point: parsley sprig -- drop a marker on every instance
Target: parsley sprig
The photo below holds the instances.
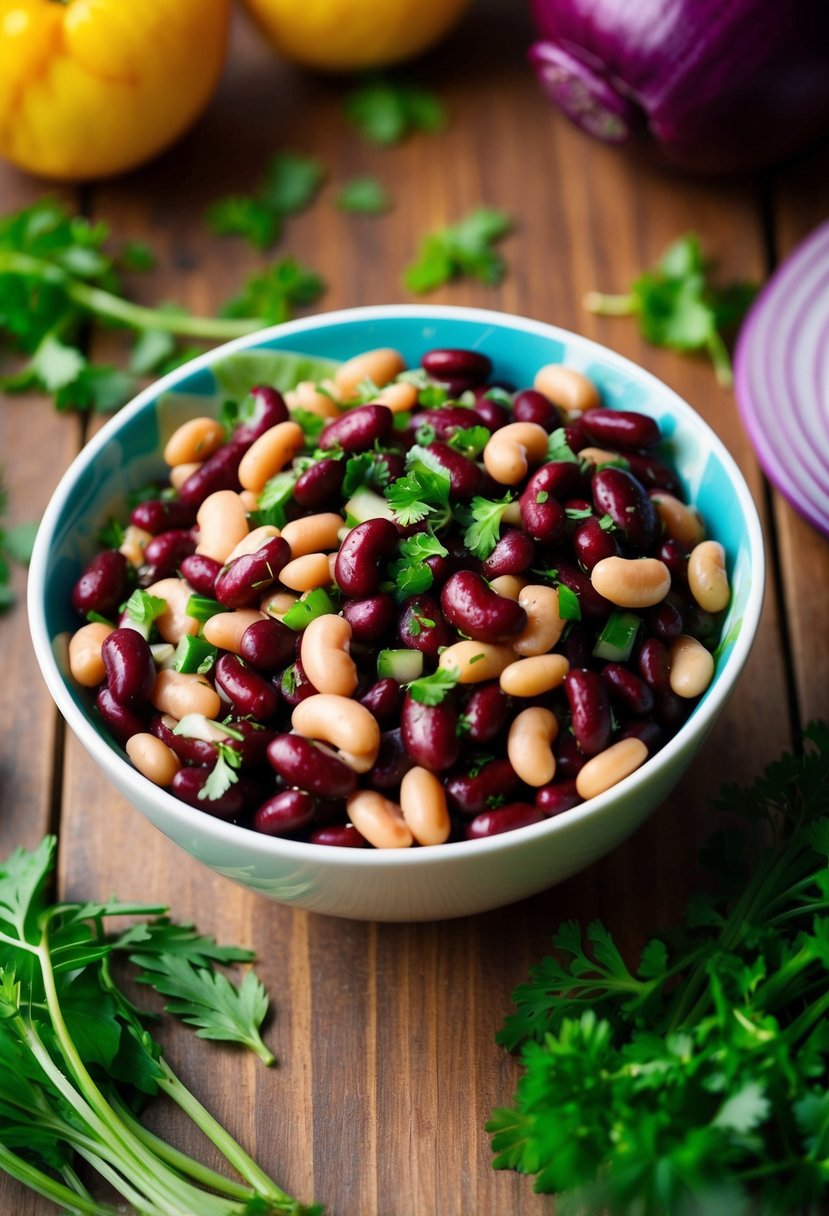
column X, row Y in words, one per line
column 464, row 248
column 483, row 523
column 433, row 689
column 385, row 110
column 678, row 307
column 78, row 1056
column 695, row 1081
column 410, row 573
column 291, row 184
column 422, row 492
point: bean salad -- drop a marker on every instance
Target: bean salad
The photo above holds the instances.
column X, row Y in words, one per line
column 402, row 607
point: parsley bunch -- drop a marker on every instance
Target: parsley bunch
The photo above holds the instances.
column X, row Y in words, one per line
column 678, row 307
column 696, row 1082
column 78, row 1059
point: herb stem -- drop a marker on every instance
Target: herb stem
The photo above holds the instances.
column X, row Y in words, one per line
column 118, row 1182
column 110, row 307
column 48, row 1187
column 608, row 305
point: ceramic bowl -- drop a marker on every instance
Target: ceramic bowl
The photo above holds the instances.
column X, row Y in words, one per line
column 422, row 883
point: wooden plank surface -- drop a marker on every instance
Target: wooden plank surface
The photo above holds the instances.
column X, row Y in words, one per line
column 388, row 1067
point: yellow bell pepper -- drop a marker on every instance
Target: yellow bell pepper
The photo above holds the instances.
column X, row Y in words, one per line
column 89, row 88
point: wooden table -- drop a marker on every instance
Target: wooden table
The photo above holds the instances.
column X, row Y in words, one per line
column 388, row 1068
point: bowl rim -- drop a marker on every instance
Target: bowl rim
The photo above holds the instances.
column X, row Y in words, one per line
column 220, row 832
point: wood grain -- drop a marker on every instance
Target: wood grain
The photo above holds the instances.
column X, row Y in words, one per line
column 385, row 1033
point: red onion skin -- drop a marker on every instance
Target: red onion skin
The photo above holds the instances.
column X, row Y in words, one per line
column 720, row 85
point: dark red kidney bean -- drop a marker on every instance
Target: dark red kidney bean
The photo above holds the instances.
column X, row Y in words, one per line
column 622, row 429
column 395, row 464
column 502, row 819
column 469, row 795
column 320, row 484
column 201, row 573
column 421, row 626
column 672, row 711
column 293, row 685
column 242, row 582
column 372, row 618
column 558, row 478
column 219, row 472
column 544, row 520
column 358, row 569
column 384, row 700
column 650, row 732
column 654, row 665
column 675, row 556
column 513, row 554
column 393, row 762
column 103, row 584
column 189, row 751
column 554, row 799
column 576, row 437
column 492, row 414
column 472, row 607
column 247, row 691
column 589, row 709
column 620, row 495
column 485, row 713
column 457, row 365
column 157, row 515
column 628, row 689
column 253, row 745
column 531, row 406
column 664, row 621
column 165, row 552
column 592, row 543
column 593, row 606
column 188, row 784
column 358, row 429
column 129, row 665
column 653, row 474
column 577, row 644
column 445, row 420
column 578, row 504
column 268, row 645
column 465, row 478
column 122, row 721
column 286, row 812
column 268, row 408
column 569, row 759
column 340, row 836
column 702, row 625
column 430, row 733
column 328, row 811
column 300, row 762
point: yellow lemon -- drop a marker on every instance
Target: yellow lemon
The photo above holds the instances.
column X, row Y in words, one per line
column 349, row 35
column 89, row 88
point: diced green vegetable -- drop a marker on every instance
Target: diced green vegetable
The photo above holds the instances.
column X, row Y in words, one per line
column 201, row 607
column 317, row 603
column 615, row 642
column 364, row 504
column 404, row 666
column 194, row 655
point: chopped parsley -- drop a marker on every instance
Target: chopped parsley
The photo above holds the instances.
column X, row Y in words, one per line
column 410, row 573
column 365, row 195
column 423, row 491
column 470, row 441
column 483, row 519
column 464, row 248
column 291, row 184
column 386, row 110
column 433, row 689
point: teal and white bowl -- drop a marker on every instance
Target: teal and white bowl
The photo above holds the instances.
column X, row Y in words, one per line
column 411, row 884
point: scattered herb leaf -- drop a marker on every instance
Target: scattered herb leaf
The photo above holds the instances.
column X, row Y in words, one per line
column 465, row 248
column 410, row 573
column 366, row 195
column 386, row 110
column 483, row 524
column 291, row 184
column 276, row 292
column 433, row 689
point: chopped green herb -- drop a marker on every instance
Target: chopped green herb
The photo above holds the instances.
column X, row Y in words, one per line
column 606, row 523
column 433, row 689
column 386, row 110
column 465, row 248
column 277, row 493
column 695, row 1081
column 111, row 535
column 425, row 434
column 312, row 424
column 223, row 774
column 273, row 295
column 559, row 449
column 470, row 441
column 366, row 469
column 679, row 308
column 143, row 609
column 432, row 396
column 569, row 605
column 500, row 396
column 97, row 618
column 578, row 513
column 541, row 497
column 495, row 800
column 410, row 573
column 417, row 624
column 479, row 764
column 291, row 184
column 422, row 492
column 366, row 195
column 483, row 524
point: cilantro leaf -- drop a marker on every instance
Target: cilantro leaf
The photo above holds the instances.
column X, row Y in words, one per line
column 433, row 689
column 678, row 307
column 367, row 195
column 366, row 469
column 483, row 524
column 277, row 493
column 223, row 774
column 276, row 292
column 143, row 609
column 291, row 184
column 387, row 110
column 410, row 573
column 559, row 449
column 421, row 492
column 470, row 441
column 464, row 248
column 165, row 936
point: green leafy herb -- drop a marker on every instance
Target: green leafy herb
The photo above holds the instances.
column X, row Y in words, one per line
column 277, row 493
column 479, row 764
column 56, row 277
column 541, row 497
column 223, row 774
column 143, row 609
column 78, row 1057
column 470, row 441
column 276, row 292
column 364, row 194
column 366, row 469
column 695, row 1081
column 483, row 524
column 136, row 255
column 465, row 248
column 417, row 623
column 431, row 690
column 410, row 573
column 422, row 492
column 291, row 184
column 385, row 111
column 559, row 449
column 678, row 307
